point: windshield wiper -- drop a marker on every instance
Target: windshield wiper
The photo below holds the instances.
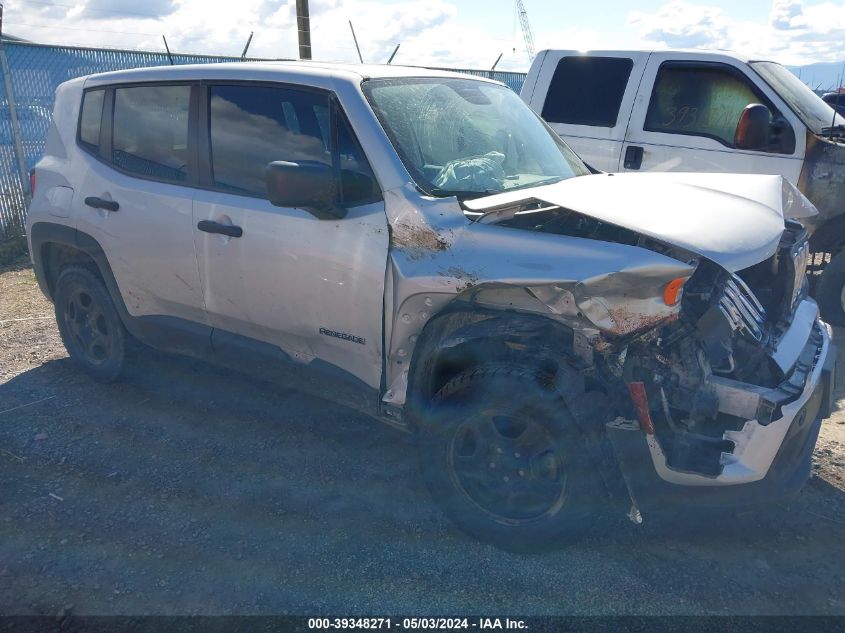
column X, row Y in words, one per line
column 837, row 130
column 461, row 194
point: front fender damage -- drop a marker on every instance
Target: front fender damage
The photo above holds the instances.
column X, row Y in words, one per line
column 601, row 291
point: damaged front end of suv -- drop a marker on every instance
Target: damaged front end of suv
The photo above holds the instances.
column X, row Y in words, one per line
column 682, row 338
column 544, row 322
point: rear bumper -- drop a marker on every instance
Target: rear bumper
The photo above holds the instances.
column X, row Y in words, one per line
column 652, row 485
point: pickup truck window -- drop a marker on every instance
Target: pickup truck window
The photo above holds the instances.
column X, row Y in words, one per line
column 587, row 90
column 807, row 105
column 89, row 119
column 150, row 134
column 465, row 137
column 701, row 100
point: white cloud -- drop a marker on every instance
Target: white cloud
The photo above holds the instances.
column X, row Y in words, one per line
column 786, row 14
column 796, row 33
column 680, row 24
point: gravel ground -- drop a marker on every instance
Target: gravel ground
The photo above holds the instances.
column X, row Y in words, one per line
column 186, row 489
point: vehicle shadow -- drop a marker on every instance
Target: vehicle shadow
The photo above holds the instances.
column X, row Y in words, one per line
column 187, row 488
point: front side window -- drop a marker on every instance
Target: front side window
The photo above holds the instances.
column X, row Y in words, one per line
column 251, row 126
column 587, row 90
column 89, row 119
column 704, row 100
column 468, row 137
column 150, row 133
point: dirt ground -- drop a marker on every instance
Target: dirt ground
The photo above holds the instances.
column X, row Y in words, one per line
column 186, row 489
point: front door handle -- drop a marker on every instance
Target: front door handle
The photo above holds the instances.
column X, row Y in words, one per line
column 210, row 226
column 633, row 157
column 99, row 203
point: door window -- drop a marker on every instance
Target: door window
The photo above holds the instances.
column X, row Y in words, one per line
column 251, row 126
column 587, row 90
column 703, row 100
column 150, row 133
column 89, row 120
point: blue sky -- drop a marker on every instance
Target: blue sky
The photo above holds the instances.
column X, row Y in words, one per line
column 453, row 33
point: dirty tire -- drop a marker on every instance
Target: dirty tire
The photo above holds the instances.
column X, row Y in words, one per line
column 830, row 292
column 498, row 421
column 89, row 325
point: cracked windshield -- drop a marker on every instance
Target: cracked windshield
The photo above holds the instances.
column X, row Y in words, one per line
column 467, row 137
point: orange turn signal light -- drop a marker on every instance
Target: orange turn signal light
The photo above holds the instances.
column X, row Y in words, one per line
column 672, row 292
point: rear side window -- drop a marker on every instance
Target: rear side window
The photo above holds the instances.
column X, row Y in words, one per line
column 150, row 131
column 251, row 126
column 89, row 119
column 587, row 90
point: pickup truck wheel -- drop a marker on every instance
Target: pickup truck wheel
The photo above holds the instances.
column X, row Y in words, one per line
column 502, row 456
column 89, row 325
column 831, row 293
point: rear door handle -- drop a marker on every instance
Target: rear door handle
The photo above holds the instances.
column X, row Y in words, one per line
column 633, row 157
column 210, row 226
column 99, row 203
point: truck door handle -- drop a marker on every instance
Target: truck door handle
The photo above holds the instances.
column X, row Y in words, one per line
column 210, row 226
column 633, row 157
column 99, row 203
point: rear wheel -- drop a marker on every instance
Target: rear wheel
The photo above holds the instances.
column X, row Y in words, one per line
column 503, row 458
column 89, row 325
column 831, row 293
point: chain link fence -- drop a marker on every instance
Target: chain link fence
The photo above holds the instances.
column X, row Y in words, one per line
column 31, row 73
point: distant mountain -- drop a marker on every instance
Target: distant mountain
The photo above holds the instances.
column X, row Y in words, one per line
column 822, row 76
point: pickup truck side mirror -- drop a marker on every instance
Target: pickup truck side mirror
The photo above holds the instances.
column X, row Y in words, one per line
column 752, row 131
column 308, row 185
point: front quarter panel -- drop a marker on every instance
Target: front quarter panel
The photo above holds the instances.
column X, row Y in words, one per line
column 579, row 282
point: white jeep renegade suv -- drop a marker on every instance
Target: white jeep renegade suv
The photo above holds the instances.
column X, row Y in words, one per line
column 558, row 340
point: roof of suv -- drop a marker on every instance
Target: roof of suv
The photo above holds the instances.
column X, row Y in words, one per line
column 259, row 70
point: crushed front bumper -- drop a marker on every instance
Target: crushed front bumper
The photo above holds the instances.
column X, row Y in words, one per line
column 770, row 461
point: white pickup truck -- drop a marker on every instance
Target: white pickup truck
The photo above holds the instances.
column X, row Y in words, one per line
column 700, row 111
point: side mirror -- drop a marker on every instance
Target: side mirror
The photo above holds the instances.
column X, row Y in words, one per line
column 308, row 185
column 752, row 131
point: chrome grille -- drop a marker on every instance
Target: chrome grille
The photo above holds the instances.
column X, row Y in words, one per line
column 742, row 309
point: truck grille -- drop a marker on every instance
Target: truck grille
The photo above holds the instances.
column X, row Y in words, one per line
column 742, row 309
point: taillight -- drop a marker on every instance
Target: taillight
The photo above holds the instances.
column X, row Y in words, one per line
column 32, row 182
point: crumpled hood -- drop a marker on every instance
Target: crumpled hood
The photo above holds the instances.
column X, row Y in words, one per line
column 736, row 220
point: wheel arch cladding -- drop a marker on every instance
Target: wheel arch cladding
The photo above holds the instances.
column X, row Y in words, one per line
column 55, row 246
column 463, row 337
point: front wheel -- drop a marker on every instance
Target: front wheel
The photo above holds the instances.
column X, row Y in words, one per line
column 89, row 325
column 503, row 458
column 831, row 293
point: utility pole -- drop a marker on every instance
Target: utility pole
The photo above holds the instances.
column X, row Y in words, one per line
column 303, row 29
